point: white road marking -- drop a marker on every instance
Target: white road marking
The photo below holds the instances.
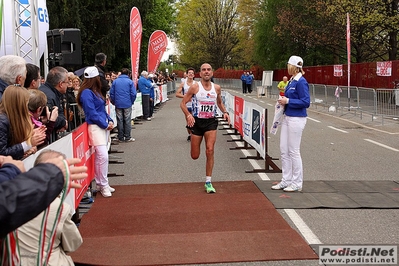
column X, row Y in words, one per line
column 337, row 129
column 314, row 120
column 307, row 233
column 381, row 145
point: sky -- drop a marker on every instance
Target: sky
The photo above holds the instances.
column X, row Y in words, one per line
column 170, row 49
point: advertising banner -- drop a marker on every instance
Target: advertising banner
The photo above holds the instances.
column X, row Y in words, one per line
column 7, row 34
column 156, row 48
column 384, row 69
column 338, row 72
column 82, row 150
column 238, row 114
column 136, row 30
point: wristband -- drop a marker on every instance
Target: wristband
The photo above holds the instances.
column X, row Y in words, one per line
column 226, row 113
column 189, row 115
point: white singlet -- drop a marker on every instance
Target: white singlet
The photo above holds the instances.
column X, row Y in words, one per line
column 204, row 102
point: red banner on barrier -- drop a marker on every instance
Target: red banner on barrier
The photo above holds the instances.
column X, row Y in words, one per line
column 156, row 48
column 82, row 150
column 136, row 30
column 238, row 113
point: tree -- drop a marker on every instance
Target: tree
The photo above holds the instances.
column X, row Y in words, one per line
column 207, row 32
column 104, row 26
column 316, row 30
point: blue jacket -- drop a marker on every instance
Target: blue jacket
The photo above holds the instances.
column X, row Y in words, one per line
column 243, row 77
column 144, row 86
column 94, row 108
column 297, row 91
column 123, row 92
column 248, row 79
column 27, row 194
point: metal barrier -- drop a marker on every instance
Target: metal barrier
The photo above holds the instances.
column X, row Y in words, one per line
column 375, row 103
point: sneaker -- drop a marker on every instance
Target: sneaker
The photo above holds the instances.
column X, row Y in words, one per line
column 279, row 186
column 292, row 188
column 105, row 192
column 111, row 189
column 189, row 138
column 148, row 119
column 209, row 188
column 130, row 140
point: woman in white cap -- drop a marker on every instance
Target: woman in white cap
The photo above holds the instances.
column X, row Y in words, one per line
column 296, row 100
column 99, row 123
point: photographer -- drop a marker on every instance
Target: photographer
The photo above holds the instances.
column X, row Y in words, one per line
column 55, row 89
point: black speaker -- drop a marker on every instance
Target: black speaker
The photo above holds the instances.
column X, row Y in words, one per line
column 64, row 47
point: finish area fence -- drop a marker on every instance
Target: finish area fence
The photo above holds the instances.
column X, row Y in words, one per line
column 367, row 103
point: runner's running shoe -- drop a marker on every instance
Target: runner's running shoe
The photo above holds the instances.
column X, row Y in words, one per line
column 209, row 188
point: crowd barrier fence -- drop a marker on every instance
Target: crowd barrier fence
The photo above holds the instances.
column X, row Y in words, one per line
column 366, row 103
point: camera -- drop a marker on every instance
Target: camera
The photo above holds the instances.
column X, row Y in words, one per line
column 44, row 112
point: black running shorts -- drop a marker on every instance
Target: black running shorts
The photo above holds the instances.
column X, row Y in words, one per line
column 203, row 125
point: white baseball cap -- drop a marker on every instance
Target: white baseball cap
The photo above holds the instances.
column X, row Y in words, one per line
column 296, row 61
column 91, row 72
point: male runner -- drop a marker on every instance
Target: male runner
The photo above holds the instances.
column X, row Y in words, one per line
column 202, row 122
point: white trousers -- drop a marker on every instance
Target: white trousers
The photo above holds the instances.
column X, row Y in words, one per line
column 101, row 165
column 290, row 143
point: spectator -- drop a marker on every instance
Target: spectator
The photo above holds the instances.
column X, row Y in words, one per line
column 248, row 81
column 145, row 87
column 114, row 76
column 100, row 62
column 78, row 111
column 76, row 81
column 55, row 88
column 152, row 94
column 183, row 79
column 281, row 85
column 12, row 71
column 108, row 78
column 243, row 82
column 25, row 194
column 18, row 139
column 40, row 113
column 67, row 236
column 100, row 123
column 123, row 94
column 32, row 80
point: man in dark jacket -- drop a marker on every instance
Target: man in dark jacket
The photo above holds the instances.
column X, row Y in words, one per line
column 123, row 94
column 55, row 88
column 100, row 61
column 23, row 195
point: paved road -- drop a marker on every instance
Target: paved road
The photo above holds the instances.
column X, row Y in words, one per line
column 333, row 148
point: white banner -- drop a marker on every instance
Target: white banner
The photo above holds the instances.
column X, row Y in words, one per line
column 8, row 35
column 384, row 69
column 338, row 72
